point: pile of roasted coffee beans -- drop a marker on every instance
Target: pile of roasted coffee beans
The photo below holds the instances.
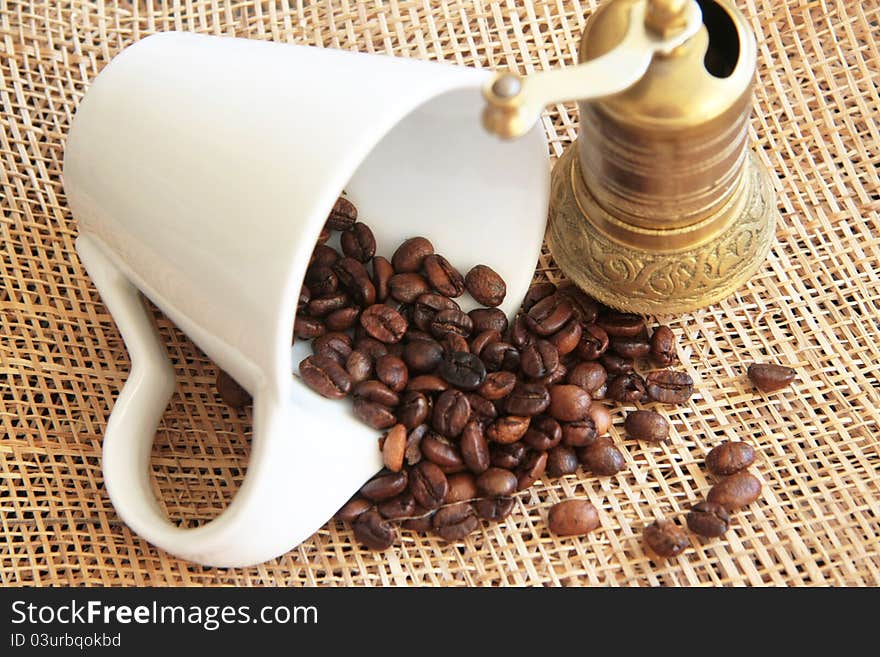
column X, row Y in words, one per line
column 474, row 409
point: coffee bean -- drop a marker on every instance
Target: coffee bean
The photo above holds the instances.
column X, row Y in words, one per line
column 474, row 448
column 428, row 484
column 442, row 452
column 585, row 307
column 528, row 399
column 539, row 359
column 373, row 414
column 569, row 403
column 735, row 491
column 636, row 347
column 615, row 364
column 383, row 323
column 382, row 273
column 481, row 409
column 508, row 456
column 665, row 539
column 729, row 457
column 580, row 433
column 663, row 351
column 556, row 376
column 601, row 417
column 768, row 377
column 568, row 337
column 321, row 280
column 413, row 409
column 407, row 287
column 485, row 286
column 494, row 508
column 603, row 458
column 549, row 315
column 343, row 215
column 336, row 345
column 572, row 518
column 353, row 509
column 647, row 426
column 497, row 385
column 402, row 506
column 359, row 366
column 669, row 386
column 373, row 531
column 488, row 319
column 376, row 392
column 462, row 488
column 483, row 339
column 451, row 321
column 306, row 328
column 392, row 371
column 497, row 482
column 325, row 376
column 626, row 388
column 621, row 324
column 442, row 276
column 358, row 242
column 708, row 519
column 427, row 306
column 507, row 429
column 354, row 279
column 536, row 293
column 370, row 346
column 544, row 433
column 462, row 370
column 453, row 523
column 324, row 256
column 342, row 319
column 561, row 460
column 594, row 342
column 520, row 336
column 451, row 412
column 409, row 256
column 452, row 342
column 427, row 383
column 323, row 306
column 499, row 356
column 385, row 486
column 305, row 295
column 232, row 394
column 394, row 448
column 531, row 470
column 414, row 444
column 422, row 523
column 422, row 356
column 600, row 392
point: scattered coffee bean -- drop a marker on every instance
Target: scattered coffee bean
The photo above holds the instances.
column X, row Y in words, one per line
column 569, row 403
column 383, row 323
column 497, row 385
column 343, row 215
column 647, row 426
column 594, row 342
column 413, row 409
column 443, row 452
column 462, row 488
column 384, row 486
column 539, row 359
column 325, row 376
column 669, row 386
column 632, row 348
column 544, row 433
column 488, row 319
column 708, row 519
column 589, row 375
column 568, row 337
column 373, row 414
column 616, row 364
column 536, row 293
column 501, row 356
column 497, row 482
column 663, row 347
column 561, row 460
column 507, row 455
column 528, row 399
column 453, row 523
column 549, row 315
column 353, row 509
column 531, row 470
column 392, row 371
column 407, row 287
column 494, row 508
column 601, row 417
column 626, row 388
column 621, row 324
column 602, row 457
column 411, row 254
column 358, row 242
column 428, row 484
column 394, row 448
column 451, row 413
column 572, row 518
column 508, row 429
column 737, row 490
column 665, row 539
column 729, row 457
column 376, row 391
column 372, row 530
column 382, row 273
column 485, row 286
column 582, row 433
column 453, row 321
column 402, row 506
column 442, row 276
column 474, row 447
column 463, row 370
column 768, row 377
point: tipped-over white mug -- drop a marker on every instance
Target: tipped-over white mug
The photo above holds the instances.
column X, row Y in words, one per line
column 201, row 170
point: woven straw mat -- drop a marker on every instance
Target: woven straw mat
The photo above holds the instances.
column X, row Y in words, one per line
column 813, row 305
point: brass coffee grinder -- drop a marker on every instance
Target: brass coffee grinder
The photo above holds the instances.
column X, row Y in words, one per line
column 659, row 206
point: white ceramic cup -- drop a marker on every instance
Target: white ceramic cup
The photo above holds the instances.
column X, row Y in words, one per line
column 201, row 170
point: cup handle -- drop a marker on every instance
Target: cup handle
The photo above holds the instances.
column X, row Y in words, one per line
column 262, row 521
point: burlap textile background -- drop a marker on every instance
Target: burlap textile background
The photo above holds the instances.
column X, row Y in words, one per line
column 815, row 305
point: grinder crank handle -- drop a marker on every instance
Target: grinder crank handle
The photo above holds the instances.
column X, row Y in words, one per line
column 514, row 103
